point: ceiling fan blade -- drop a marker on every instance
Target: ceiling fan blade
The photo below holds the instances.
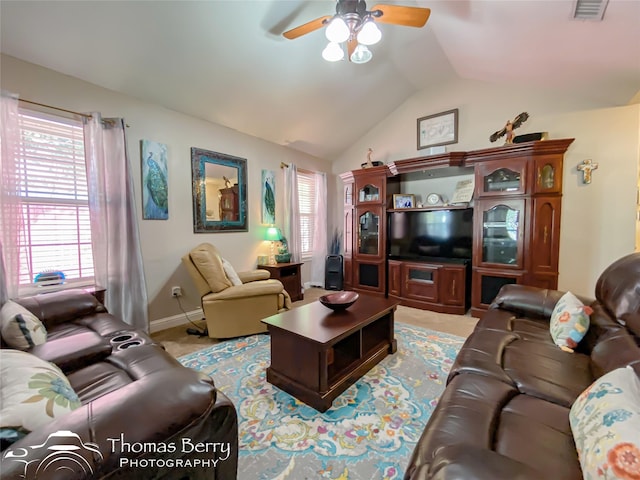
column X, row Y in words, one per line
column 400, row 15
column 306, row 28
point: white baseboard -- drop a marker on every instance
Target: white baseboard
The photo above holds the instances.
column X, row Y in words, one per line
column 175, row 320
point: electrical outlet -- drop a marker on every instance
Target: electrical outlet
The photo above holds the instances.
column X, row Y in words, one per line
column 176, row 291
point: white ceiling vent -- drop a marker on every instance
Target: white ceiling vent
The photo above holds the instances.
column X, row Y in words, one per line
column 589, row 9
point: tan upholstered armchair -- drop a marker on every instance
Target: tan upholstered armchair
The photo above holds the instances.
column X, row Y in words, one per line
column 233, row 310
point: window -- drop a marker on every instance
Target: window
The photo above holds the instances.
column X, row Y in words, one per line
column 54, row 204
column 307, row 205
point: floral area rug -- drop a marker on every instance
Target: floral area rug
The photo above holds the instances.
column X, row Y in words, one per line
column 368, row 433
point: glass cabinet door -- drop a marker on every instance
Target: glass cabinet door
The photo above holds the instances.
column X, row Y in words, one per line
column 501, row 235
column 348, row 194
column 369, row 193
column 548, row 178
column 501, row 178
column 369, row 233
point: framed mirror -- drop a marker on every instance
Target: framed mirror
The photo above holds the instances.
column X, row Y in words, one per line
column 219, row 186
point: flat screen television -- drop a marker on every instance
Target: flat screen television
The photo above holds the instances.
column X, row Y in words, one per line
column 431, row 235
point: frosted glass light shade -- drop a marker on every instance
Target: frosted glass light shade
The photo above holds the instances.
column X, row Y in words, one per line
column 333, row 52
column 369, row 34
column 337, row 31
column 361, row 54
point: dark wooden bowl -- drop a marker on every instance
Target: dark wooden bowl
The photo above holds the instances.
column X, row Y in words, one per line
column 339, row 300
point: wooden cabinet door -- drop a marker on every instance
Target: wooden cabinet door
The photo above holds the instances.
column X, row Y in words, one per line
column 394, row 277
column 499, row 227
column 348, row 273
column 369, row 233
column 451, row 281
column 499, row 178
column 545, row 235
column 547, row 174
column 487, row 283
column 348, row 246
column 420, row 281
column 369, row 277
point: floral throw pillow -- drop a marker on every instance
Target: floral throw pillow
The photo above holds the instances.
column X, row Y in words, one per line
column 569, row 322
column 605, row 421
column 34, row 392
column 20, row 328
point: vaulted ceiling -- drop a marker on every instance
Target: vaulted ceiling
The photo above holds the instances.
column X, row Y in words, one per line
column 227, row 62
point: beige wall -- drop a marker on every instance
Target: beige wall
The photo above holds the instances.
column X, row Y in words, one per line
column 597, row 219
column 165, row 241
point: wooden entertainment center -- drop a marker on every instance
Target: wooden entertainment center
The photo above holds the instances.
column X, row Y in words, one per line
column 516, row 228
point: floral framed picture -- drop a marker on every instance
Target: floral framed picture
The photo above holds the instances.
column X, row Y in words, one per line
column 404, row 200
column 438, row 129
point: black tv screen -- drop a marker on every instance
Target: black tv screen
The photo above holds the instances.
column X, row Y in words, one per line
column 434, row 234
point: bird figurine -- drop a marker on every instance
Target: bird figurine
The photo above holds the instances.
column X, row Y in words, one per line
column 369, row 162
column 227, row 182
column 509, row 128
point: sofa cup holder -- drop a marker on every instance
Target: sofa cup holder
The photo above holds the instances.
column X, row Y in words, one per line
column 125, row 337
column 125, row 345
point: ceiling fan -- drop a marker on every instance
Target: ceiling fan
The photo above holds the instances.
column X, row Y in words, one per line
column 356, row 25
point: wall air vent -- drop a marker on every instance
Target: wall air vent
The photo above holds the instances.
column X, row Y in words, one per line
column 589, row 9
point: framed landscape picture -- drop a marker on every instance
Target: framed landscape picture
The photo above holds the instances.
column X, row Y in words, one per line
column 438, row 129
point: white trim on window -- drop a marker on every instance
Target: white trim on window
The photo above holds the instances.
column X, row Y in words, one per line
column 306, row 203
column 53, row 191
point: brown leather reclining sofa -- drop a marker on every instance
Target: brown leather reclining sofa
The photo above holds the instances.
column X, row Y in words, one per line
column 132, row 391
column 505, row 411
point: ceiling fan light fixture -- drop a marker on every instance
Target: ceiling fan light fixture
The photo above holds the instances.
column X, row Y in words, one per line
column 337, row 31
column 333, row 52
column 369, row 34
column 361, row 54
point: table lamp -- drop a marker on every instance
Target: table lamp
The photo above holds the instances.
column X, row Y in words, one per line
column 273, row 235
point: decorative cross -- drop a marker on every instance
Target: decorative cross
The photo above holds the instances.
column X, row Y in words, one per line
column 586, row 167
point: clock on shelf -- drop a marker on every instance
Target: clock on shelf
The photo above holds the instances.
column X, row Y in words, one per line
column 434, row 199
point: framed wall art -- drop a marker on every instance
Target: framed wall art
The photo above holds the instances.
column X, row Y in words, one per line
column 438, row 129
column 155, row 186
column 219, row 187
column 268, row 197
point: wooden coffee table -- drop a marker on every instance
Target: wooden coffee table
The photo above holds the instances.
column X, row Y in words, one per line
column 316, row 353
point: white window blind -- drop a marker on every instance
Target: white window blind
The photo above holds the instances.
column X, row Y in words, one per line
column 306, row 202
column 52, row 185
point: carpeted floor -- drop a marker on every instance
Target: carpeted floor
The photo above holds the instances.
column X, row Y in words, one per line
column 178, row 342
column 371, row 429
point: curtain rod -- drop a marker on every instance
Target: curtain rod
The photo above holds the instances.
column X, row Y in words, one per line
column 86, row 115
column 284, row 165
column 55, row 108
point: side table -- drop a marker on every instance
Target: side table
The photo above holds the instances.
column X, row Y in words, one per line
column 289, row 275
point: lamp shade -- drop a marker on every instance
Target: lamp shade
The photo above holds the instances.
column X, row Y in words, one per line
column 273, row 234
column 369, row 34
column 361, row 54
column 337, row 31
column 333, row 52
